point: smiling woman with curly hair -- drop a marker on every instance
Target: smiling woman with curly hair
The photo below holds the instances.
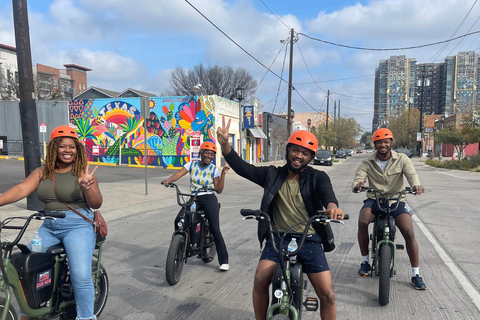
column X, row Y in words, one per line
column 66, row 179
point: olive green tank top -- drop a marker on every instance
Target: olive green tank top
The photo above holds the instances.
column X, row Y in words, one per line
column 68, row 190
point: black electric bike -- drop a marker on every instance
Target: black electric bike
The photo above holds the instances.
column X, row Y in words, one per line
column 40, row 281
column 287, row 281
column 384, row 257
column 192, row 238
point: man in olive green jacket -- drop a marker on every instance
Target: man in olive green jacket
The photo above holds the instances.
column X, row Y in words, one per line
column 385, row 170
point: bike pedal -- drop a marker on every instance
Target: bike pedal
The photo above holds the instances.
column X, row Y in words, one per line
column 400, row 246
column 311, row 304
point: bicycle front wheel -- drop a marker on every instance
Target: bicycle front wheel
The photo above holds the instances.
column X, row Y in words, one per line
column 12, row 313
column 384, row 262
column 175, row 259
column 280, row 317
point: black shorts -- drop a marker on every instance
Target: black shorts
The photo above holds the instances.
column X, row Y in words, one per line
column 311, row 256
column 370, row 203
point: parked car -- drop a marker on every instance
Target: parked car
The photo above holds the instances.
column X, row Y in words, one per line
column 404, row 150
column 323, row 157
column 359, row 151
column 349, row 152
column 341, row 154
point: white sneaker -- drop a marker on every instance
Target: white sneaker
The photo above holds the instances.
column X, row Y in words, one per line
column 224, row 267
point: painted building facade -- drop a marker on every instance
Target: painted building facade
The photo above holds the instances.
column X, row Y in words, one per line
column 167, row 132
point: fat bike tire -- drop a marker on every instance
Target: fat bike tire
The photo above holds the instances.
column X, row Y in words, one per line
column 12, row 313
column 101, row 292
column 101, row 295
column 385, row 259
column 209, row 250
column 280, row 317
column 175, row 259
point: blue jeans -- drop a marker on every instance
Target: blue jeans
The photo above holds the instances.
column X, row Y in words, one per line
column 78, row 238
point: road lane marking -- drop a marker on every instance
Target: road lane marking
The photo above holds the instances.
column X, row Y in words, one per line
column 457, row 273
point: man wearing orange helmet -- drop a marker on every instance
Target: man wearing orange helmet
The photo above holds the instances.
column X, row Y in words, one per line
column 292, row 193
column 384, row 170
column 205, row 173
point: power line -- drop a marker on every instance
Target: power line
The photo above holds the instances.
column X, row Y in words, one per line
column 266, row 72
column 387, row 49
column 280, row 82
column 241, row 48
column 306, row 66
column 334, row 80
column 275, row 15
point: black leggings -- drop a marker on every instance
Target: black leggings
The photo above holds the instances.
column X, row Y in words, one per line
column 209, row 204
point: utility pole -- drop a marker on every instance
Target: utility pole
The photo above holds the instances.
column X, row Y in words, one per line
column 334, row 111
column 328, row 100
column 28, row 110
column 339, row 109
column 289, row 128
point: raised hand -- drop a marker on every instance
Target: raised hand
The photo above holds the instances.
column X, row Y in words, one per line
column 222, row 136
column 88, row 178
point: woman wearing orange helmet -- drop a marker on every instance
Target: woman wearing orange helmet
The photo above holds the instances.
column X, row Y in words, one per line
column 292, row 193
column 205, row 173
column 75, row 184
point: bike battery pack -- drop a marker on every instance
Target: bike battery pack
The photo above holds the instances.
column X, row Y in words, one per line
column 35, row 270
column 194, row 220
column 381, row 226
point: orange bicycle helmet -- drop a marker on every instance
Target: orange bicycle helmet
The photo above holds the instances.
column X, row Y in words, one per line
column 207, row 145
column 63, row 131
column 304, row 138
column 382, row 133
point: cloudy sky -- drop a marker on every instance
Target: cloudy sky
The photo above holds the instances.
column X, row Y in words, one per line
column 136, row 44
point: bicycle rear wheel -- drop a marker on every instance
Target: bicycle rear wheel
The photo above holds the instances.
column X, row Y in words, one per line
column 175, row 259
column 209, row 250
column 384, row 262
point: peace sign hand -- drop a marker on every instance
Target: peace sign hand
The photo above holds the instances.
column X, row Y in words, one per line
column 88, row 178
column 222, row 136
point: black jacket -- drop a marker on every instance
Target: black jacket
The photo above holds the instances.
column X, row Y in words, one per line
column 315, row 187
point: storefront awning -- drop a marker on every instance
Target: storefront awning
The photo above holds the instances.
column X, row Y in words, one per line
column 257, row 133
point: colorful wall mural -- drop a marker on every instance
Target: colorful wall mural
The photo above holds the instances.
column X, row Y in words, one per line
column 112, row 130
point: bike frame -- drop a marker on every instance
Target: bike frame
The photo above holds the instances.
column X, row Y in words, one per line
column 185, row 200
column 384, row 241
column 9, row 278
column 285, row 293
column 385, row 210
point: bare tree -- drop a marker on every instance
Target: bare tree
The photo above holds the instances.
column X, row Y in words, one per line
column 221, row 81
column 9, row 90
column 280, row 138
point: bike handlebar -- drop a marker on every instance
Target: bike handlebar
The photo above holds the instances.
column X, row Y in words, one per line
column 382, row 199
column 259, row 215
column 40, row 215
column 186, row 199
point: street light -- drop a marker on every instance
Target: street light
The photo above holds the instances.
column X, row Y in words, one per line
column 239, row 96
column 197, row 88
column 424, row 82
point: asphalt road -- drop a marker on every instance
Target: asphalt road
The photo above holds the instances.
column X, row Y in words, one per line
column 446, row 225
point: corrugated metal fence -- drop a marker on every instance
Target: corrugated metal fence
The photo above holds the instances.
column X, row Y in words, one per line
column 52, row 113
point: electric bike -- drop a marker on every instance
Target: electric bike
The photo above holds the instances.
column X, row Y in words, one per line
column 192, row 238
column 287, row 281
column 40, row 281
column 384, row 249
